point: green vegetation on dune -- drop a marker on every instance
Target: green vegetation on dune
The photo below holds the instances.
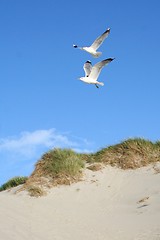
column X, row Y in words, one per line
column 130, row 154
column 64, row 166
column 13, row 182
column 58, row 166
column 62, row 162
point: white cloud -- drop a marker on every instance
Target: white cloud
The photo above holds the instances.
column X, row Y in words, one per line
column 29, row 143
column 18, row 154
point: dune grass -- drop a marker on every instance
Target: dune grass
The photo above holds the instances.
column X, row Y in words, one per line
column 58, row 166
column 62, row 162
column 36, row 191
column 65, row 166
column 13, row 182
column 129, row 154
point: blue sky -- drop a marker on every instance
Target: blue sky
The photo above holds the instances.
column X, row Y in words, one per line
column 42, row 103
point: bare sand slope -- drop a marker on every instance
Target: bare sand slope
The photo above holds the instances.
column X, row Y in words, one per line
column 110, row 204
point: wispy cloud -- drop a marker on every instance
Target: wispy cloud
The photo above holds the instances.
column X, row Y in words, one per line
column 19, row 153
column 28, row 143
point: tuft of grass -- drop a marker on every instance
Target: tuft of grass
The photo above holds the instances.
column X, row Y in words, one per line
column 58, row 166
column 13, row 182
column 132, row 153
column 62, row 162
column 36, row 191
column 95, row 167
column 157, row 143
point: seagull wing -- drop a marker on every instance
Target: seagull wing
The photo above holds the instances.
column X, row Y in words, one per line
column 96, row 69
column 87, row 68
column 96, row 44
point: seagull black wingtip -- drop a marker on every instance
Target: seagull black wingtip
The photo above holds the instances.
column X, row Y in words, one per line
column 108, row 30
column 111, row 59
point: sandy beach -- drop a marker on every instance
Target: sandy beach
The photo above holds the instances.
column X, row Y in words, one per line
column 109, row 204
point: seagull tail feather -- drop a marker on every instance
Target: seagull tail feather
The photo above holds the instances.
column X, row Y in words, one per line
column 98, row 54
column 101, row 83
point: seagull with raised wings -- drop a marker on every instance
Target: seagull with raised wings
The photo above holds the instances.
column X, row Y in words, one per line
column 95, row 45
column 92, row 73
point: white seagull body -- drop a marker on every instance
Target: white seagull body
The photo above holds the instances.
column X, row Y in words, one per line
column 95, row 45
column 92, row 73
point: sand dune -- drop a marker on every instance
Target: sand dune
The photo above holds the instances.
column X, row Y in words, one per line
column 110, row 204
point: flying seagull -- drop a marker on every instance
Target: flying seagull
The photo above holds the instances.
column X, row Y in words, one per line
column 92, row 73
column 95, row 45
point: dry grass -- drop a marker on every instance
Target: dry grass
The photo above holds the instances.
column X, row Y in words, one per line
column 95, row 167
column 156, row 169
column 143, row 200
column 35, row 191
column 130, row 154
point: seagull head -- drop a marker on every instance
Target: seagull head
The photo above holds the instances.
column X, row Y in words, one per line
column 75, row 46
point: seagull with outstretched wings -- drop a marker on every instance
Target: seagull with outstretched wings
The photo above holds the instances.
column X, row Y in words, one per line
column 95, row 45
column 92, row 73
